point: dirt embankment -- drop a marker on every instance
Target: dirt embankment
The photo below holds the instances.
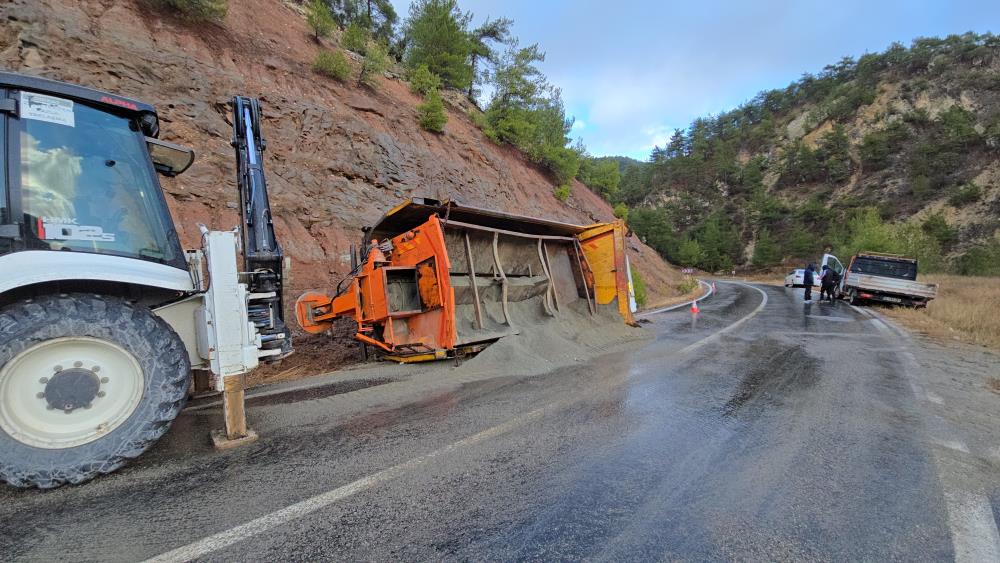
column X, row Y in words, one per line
column 338, row 155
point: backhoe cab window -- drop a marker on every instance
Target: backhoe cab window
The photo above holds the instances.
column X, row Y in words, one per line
column 86, row 184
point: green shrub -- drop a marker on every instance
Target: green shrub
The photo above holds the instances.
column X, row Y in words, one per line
column 687, row 286
column 333, row 64
column 431, row 114
column 935, row 160
column 938, row 228
column 639, row 287
column 355, row 38
column 917, row 117
column 965, row 195
column 375, row 63
column 621, row 211
column 562, row 192
column 563, row 162
column 959, row 126
column 980, row 260
column 878, row 146
column 922, row 187
column 198, row 9
column 422, row 80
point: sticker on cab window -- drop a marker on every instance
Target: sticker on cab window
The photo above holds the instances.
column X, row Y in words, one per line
column 47, row 108
column 65, row 228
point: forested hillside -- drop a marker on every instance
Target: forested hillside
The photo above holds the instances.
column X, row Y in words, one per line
column 895, row 151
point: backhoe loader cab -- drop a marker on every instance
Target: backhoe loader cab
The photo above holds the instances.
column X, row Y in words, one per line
column 103, row 316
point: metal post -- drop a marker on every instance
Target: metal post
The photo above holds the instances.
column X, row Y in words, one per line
column 234, row 411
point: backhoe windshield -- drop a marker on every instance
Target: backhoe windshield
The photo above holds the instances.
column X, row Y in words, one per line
column 87, row 185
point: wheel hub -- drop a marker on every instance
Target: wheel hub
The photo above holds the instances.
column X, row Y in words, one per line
column 73, row 388
column 68, row 391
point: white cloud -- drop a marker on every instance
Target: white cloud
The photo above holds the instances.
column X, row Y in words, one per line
column 578, row 124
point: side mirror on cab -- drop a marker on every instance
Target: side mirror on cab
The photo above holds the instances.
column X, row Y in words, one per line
column 169, row 159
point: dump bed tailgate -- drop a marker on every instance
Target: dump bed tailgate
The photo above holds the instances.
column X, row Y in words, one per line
column 889, row 285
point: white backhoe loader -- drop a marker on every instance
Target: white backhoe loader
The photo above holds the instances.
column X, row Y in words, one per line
column 103, row 317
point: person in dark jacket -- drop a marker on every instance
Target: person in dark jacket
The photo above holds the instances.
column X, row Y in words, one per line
column 808, row 278
column 828, row 280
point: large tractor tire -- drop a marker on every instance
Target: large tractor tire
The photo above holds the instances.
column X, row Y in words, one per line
column 87, row 382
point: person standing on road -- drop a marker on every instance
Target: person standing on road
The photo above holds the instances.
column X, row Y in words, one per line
column 807, row 280
column 828, row 284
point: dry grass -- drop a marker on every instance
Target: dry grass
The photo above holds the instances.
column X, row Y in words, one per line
column 966, row 309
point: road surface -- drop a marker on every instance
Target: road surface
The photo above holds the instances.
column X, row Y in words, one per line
column 761, row 429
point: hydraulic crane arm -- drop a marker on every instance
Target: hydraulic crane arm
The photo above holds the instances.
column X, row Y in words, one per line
column 262, row 255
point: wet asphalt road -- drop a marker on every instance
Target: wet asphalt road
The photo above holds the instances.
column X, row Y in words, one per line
column 793, row 436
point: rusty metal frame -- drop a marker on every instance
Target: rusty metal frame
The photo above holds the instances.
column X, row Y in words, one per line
column 503, row 277
column 547, row 302
column 580, row 259
column 509, row 233
column 548, row 266
column 472, row 280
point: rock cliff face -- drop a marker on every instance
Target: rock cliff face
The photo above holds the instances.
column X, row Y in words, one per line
column 338, row 156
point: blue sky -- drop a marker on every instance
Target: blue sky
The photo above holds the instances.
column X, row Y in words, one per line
column 632, row 71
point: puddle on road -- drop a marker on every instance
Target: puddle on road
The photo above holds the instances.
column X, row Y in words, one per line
column 780, row 371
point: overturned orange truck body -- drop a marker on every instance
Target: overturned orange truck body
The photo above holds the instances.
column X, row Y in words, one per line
column 436, row 279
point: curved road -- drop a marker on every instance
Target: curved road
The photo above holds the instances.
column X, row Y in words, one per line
column 761, row 429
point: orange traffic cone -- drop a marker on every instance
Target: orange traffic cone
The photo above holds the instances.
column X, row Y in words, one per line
column 694, row 307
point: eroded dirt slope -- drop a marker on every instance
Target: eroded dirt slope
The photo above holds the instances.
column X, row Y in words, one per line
column 338, row 155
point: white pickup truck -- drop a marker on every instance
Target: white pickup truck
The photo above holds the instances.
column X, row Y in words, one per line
column 887, row 278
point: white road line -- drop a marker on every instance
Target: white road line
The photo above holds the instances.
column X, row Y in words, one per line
column 285, row 515
column 708, row 293
column 956, row 445
column 732, row 327
column 934, row 398
column 973, row 528
column 974, row 533
column 834, row 319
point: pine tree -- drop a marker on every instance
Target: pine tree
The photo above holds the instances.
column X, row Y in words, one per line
column 431, row 114
column 319, row 18
column 690, row 253
column 375, row 63
column 380, row 19
column 496, row 31
column 438, row 37
column 765, row 252
column 355, row 38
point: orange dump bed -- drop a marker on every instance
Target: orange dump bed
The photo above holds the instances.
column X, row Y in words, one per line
column 437, row 279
